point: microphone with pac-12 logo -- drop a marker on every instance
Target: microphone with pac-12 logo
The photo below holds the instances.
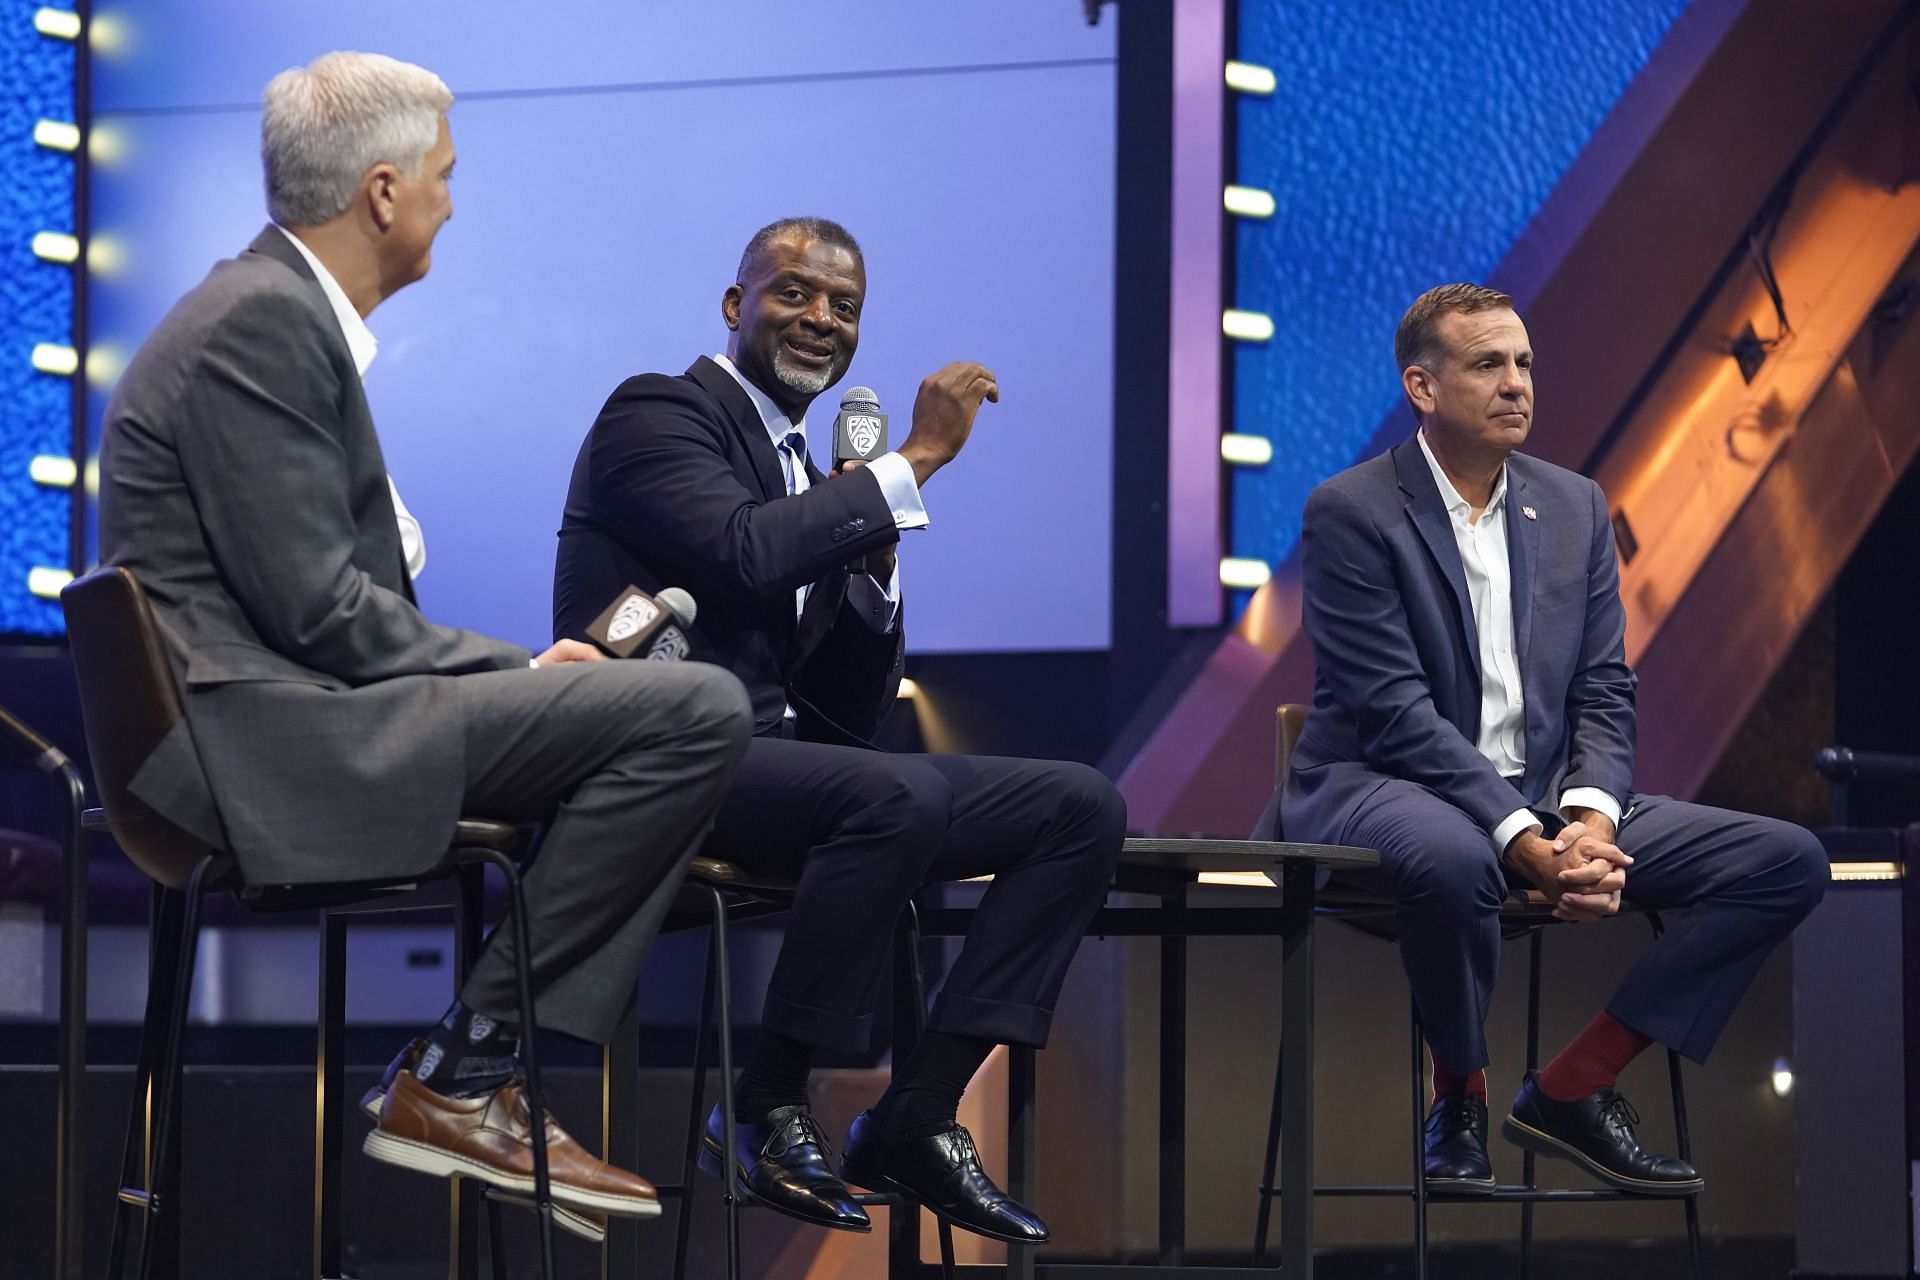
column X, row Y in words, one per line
column 860, row 432
column 636, row 621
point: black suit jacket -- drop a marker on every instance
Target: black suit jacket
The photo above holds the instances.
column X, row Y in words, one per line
column 677, row 484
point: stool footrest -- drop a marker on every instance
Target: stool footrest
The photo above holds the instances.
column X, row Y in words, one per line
column 1516, row 1193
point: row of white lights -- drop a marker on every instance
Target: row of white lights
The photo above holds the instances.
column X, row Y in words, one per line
column 1247, row 326
column 55, row 359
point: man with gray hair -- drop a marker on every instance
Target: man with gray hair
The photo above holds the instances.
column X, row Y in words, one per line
column 333, row 733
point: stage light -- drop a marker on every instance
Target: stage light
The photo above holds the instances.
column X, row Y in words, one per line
column 1248, row 202
column 53, row 471
column 46, row 583
column 56, row 246
column 57, row 135
column 107, row 145
column 1246, row 451
column 908, row 689
column 1248, row 77
column 54, row 358
column 105, row 364
column 1866, row 871
column 104, row 254
column 58, row 23
column 1782, row 1077
column 1236, row 571
column 1248, row 326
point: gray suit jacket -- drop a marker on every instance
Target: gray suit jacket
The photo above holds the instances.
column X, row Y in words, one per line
column 1397, row 665
column 243, row 485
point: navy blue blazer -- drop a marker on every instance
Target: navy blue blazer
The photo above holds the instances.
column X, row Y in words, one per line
column 677, row 484
column 1397, row 663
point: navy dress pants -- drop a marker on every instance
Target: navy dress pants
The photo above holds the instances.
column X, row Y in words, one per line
column 1744, row 882
column 861, row 831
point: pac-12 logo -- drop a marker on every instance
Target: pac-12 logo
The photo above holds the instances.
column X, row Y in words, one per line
column 635, row 612
column 863, row 429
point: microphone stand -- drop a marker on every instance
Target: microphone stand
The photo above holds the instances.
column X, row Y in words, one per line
column 69, row 1136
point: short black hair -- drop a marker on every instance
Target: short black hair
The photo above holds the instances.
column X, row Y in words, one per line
column 825, row 230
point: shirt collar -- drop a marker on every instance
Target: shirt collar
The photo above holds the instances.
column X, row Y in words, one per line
column 777, row 424
column 361, row 343
column 1450, row 496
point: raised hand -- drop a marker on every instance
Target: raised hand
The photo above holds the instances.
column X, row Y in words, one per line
column 943, row 414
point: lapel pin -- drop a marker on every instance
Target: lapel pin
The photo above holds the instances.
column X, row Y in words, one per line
column 1529, row 513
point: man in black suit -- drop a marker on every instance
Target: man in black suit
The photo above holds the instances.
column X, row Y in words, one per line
column 332, row 732
column 703, row 481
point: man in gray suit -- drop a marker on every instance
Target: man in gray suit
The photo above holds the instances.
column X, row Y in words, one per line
column 332, row 733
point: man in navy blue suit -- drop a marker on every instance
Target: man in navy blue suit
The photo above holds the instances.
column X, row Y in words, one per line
column 1473, row 720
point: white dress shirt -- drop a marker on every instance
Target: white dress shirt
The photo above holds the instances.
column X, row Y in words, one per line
column 879, row 605
column 1482, row 544
column 364, row 346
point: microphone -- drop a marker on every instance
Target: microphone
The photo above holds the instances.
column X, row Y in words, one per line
column 636, row 621
column 860, row 431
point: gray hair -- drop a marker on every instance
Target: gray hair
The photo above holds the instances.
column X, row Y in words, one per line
column 324, row 125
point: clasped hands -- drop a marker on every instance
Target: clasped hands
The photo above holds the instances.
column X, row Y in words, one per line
column 1580, row 869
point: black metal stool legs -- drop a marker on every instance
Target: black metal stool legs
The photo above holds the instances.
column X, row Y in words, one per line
column 723, row 1018
column 1419, row 1095
column 1535, row 954
column 163, row 959
column 159, row 1202
column 683, row 1234
column 1268, row 1191
column 1682, row 1135
column 531, row 1094
column 328, row 1095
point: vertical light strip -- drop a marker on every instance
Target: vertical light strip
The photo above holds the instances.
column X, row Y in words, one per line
column 1194, row 598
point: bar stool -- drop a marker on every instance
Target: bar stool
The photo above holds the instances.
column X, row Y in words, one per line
column 1525, row 916
column 129, row 703
column 719, row 893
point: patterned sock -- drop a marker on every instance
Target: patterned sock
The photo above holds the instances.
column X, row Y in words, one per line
column 1594, row 1059
column 924, row 1098
column 775, row 1076
column 468, row 1054
column 1448, row 1083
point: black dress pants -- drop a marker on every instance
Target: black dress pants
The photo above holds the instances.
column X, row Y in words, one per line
column 862, row 830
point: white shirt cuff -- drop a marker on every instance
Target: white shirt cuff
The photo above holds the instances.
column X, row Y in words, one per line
column 901, row 491
column 878, row 606
column 1512, row 825
column 1590, row 798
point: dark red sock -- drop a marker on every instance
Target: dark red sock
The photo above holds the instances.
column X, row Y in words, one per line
column 1594, row 1059
column 1448, row 1083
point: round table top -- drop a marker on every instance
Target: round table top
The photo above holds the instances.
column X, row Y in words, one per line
column 1238, row 855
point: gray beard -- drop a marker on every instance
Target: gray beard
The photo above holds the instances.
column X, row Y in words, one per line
column 806, row 382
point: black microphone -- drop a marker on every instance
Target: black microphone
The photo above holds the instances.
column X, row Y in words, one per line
column 860, row 432
column 636, row 621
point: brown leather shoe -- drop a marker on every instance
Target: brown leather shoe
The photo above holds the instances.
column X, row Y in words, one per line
column 489, row 1138
column 585, row 1223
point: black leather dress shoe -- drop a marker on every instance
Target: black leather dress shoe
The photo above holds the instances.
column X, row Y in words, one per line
column 1596, row 1133
column 1456, row 1146
column 943, row 1173
column 785, row 1162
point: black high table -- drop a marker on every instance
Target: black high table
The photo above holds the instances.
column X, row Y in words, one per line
column 1168, row 870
